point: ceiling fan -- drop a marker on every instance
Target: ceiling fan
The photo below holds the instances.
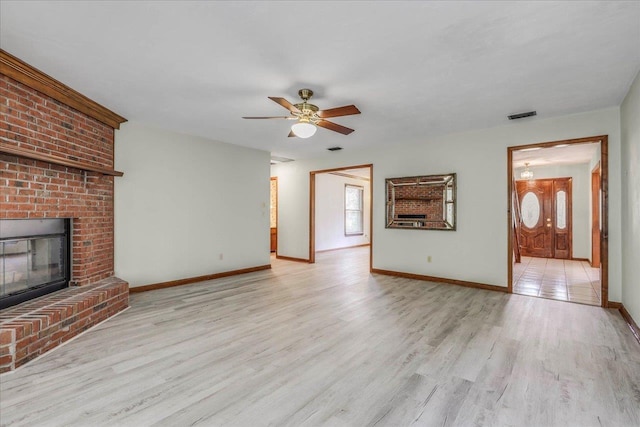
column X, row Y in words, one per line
column 309, row 116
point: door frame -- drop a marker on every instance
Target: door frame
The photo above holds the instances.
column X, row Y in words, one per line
column 312, row 209
column 604, row 208
column 273, row 178
column 595, row 213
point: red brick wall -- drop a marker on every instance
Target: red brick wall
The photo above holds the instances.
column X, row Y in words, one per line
column 33, row 189
column 420, row 200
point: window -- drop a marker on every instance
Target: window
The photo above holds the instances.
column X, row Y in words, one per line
column 353, row 224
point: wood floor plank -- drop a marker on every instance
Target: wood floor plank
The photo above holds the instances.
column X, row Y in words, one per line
column 329, row 344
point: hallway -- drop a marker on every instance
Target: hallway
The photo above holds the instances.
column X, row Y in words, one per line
column 559, row 279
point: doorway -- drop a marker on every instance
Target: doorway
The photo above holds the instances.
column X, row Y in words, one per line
column 557, row 226
column 348, row 216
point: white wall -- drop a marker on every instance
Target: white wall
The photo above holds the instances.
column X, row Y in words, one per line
column 183, row 201
column 580, row 175
column 477, row 251
column 330, row 212
column 630, row 130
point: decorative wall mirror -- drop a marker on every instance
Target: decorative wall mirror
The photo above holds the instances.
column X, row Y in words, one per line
column 422, row 202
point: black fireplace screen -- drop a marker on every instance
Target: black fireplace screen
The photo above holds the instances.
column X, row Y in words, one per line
column 34, row 258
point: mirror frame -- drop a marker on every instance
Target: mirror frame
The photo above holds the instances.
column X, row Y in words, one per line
column 421, row 222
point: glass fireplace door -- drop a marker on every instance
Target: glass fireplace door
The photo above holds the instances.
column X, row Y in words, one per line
column 32, row 265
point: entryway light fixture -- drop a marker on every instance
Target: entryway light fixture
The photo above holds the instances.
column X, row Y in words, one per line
column 526, row 173
column 304, row 128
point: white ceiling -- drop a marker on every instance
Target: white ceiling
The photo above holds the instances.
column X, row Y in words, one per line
column 559, row 155
column 414, row 69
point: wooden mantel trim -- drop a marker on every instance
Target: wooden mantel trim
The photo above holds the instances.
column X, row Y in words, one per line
column 49, row 158
column 26, row 74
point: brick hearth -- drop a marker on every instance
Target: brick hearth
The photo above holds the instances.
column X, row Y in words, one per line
column 34, row 327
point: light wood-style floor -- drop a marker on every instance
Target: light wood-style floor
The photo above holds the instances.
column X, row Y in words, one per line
column 330, row 344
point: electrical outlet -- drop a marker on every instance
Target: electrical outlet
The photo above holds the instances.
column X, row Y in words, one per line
column 221, row 256
column 429, row 258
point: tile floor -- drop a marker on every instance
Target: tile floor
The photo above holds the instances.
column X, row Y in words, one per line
column 558, row 279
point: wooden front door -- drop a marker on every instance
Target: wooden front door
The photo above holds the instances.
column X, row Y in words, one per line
column 545, row 206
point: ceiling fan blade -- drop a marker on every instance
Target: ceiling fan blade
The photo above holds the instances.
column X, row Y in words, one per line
column 292, row 135
column 334, row 127
column 275, row 117
column 347, row 110
column 286, row 104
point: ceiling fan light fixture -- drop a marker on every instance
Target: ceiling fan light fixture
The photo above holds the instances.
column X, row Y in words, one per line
column 303, row 129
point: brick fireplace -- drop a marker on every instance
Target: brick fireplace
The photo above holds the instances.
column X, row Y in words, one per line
column 56, row 161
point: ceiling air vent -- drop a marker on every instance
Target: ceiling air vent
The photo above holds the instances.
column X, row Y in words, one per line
column 334, row 148
column 522, row 115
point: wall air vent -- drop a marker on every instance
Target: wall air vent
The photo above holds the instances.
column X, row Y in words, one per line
column 334, row 148
column 522, row 115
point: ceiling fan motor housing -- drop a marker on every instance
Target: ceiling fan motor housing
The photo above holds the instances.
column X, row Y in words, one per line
column 310, row 108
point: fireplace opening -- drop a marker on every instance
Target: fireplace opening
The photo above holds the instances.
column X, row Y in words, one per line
column 34, row 258
column 410, row 220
